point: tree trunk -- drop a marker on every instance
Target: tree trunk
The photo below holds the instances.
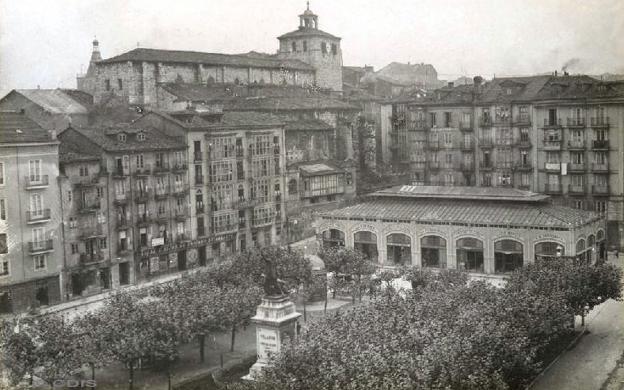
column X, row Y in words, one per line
column 305, row 314
column 30, row 379
column 92, row 371
column 233, row 338
column 583, row 319
column 131, row 376
column 202, row 343
column 168, row 379
column 325, row 308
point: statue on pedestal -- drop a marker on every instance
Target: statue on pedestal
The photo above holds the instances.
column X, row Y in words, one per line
column 272, row 285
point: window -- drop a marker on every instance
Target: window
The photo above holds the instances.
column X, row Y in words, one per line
column 3, row 243
column 600, row 206
column 69, row 195
column 334, row 49
column 4, row 267
column 36, row 205
column 141, row 136
column 74, row 249
column 72, row 223
column 294, row 45
column 447, row 119
column 34, row 167
column 84, row 170
column 292, row 187
column 323, row 47
column 120, row 84
column 305, row 45
column 1, row 173
column 121, row 137
column 40, row 262
column 432, row 116
column 139, row 161
column 2, row 210
column 103, row 243
column 107, row 85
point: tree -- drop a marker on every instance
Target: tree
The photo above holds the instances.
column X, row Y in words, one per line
column 88, row 336
column 236, row 306
column 349, row 264
column 583, row 286
column 19, row 352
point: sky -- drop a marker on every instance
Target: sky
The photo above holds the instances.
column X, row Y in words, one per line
column 46, row 43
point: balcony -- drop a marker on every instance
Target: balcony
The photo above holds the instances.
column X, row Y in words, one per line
column 523, row 167
column 161, row 168
column 600, row 144
column 576, row 122
column 467, row 166
column 417, row 125
column 600, row 122
column 123, row 250
column 260, row 222
column 522, row 120
column 485, row 121
column 161, row 193
column 242, row 223
column 183, row 237
column 578, row 144
column 91, row 206
column 434, row 165
column 122, row 223
column 552, row 167
column 120, row 199
column 467, row 146
column 598, row 167
column 89, row 258
column 504, row 165
column 228, row 228
column 143, row 219
column 276, row 149
column 120, row 173
column 40, row 216
column 486, row 142
column 181, row 213
column 240, row 151
column 162, row 216
column 600, row 189
column 465, row 125
column 524, row 144
column 142, row 196
column 552, row 124
column 85, row 182
column 433, row 145
column 576, row 189
column 503, row 141
column 36, row 182
column 247, row 203
column 197, row 156
column 576, row 167
column 36, row 247
column 502, row 121
column 552, row 144
column 486, row 166
column 179, row 168
column 180, row 190
column 145, row 170
column 552, row 189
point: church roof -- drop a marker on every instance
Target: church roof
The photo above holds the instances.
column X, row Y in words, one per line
column 195, row 57
column 307, row 32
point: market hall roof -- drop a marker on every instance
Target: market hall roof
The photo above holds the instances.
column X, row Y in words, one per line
column 465, row 209
column 464, row 193
column 195, row 57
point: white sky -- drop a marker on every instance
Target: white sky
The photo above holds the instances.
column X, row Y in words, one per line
column 46, row 42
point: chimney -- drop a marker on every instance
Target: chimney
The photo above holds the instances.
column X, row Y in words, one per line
column 555, row 73
column 477, row 80
column 451, row 84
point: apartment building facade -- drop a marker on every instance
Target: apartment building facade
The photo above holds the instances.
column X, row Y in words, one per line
column 30, row 215
column 134, row 201
column 561, row 136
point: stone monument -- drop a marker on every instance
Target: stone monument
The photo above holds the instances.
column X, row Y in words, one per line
column 275, row 319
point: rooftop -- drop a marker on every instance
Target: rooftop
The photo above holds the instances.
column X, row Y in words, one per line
column 195, row 57
column 288, row 104
column 205, row 121
column 56, row 101
column 466, row 211
column 16, row 128
column 306, row 32
column 308, row 125
column 108, row 138
column 463, row 193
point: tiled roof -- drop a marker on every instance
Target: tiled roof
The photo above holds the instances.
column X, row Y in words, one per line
column 67, row 155
column 17, row 128
column 194, row 57
column 226, row 92
column 468, row 211
column 227, row 120
column 318, row 169
column 288, row 104
column 81, row 97
column 307, row 124
column 522, row 89
column 55, row 101
column 107, row 139
column 307, row 32
column 465, row 193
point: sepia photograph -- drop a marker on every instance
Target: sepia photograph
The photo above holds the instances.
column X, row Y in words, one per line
column 312, row 195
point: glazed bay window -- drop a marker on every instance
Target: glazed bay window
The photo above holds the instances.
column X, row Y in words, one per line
column 220, row 171
column 260, row 190
column 221, row 148
column 224, row 222
column 261, row 145
column 222, row 197
column 262, row 215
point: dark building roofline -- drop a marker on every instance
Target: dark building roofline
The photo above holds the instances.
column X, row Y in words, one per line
column 195, row 57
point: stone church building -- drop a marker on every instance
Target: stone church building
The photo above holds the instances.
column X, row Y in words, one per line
column 307, row 57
